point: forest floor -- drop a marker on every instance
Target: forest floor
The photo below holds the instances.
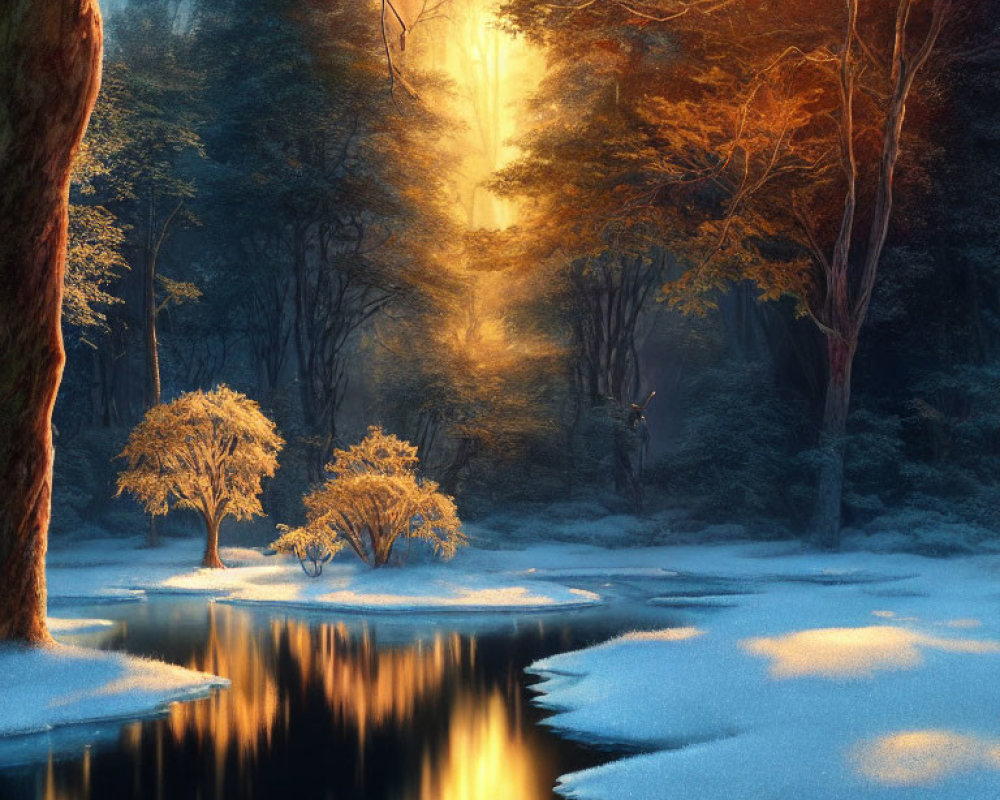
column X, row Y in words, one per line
column 786, row 674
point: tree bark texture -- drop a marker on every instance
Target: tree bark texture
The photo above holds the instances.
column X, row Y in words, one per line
column 827, row 516
column 211, row 558
column 50, row 62
column 849, row 293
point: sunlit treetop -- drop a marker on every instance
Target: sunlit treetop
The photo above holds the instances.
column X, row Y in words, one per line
column 379, row 453
column 730, row 130
column 373, row 498
column 204, row 451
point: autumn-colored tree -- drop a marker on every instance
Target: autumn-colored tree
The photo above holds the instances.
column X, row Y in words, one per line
column 761, row 139
column 374, row 498
column 96, row 236
column 204, row 451
column 50, row 66
column 604, row 267
column 150, row 57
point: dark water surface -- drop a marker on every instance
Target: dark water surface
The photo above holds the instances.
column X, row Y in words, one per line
column 321, row 707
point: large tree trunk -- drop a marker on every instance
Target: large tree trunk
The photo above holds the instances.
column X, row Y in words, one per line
column 825, row 532
column 50, row 61
column 211, row 558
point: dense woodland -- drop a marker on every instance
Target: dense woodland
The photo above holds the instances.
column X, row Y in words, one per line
column 351, row 225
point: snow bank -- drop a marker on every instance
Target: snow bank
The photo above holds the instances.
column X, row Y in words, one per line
column 45, row 688
column 351, row 588
column 829, row 682
column 112, row 570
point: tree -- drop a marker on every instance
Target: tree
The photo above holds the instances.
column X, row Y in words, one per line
column 333, row 201
column 373, row 499
column 607, row 270
column 96, row 237
column 204, row 451
column 50, row 64
column 769, row 155
column 150, row 58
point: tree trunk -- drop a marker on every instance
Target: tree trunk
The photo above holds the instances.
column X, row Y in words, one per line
column 154, row 393
column 50, row 61
column 825, row 531
column 211, row 558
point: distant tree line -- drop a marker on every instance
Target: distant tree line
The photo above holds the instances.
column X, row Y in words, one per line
column 254, row 206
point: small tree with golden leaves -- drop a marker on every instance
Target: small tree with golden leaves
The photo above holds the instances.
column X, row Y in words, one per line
column 206, row 451
column 373, row 499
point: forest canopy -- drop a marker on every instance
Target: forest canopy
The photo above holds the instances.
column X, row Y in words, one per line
column 646, row 254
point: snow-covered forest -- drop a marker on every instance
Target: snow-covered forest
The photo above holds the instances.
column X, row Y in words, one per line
column 499, row 399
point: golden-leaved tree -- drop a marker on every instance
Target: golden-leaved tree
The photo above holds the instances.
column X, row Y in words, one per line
column 758, row 140
column 373, row 499
column 204, row 451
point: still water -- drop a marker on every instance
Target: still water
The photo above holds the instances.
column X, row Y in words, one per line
column 383, row 709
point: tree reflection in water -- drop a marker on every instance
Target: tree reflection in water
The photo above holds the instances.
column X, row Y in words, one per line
column 365, row 687
column 486, row 757
column 379, row 710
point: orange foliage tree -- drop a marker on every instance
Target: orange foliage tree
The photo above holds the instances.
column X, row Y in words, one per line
column 761, row 139
column 373, row 499
column 204, row 451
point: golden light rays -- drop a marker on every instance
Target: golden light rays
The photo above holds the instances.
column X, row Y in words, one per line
column 855, row 652
column 493, row 73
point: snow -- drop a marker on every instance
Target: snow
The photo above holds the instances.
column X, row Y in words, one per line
column 70, row 627
column 788, row 675
column 110, row 570
column 44, row 688
column 852, row 675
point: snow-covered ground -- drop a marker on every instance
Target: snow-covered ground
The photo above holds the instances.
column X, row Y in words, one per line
column 47, row 688
column 808, row 676
column 116, row 570
column 855, row 676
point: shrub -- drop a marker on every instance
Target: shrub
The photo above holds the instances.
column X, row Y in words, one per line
column 372, row 499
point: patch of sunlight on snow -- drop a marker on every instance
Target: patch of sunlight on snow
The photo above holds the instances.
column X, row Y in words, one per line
column 213, row 580
column 140, row 675
column 912, row 758
column 508, row 596
column 663, row 635
column 270, row 592
column 854, row 652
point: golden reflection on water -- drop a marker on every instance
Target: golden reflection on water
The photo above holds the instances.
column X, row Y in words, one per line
column 486, row 757
column 913, row 758
column 242, row 717
column 364, row 686
column 469, row 740
column 367, row 687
